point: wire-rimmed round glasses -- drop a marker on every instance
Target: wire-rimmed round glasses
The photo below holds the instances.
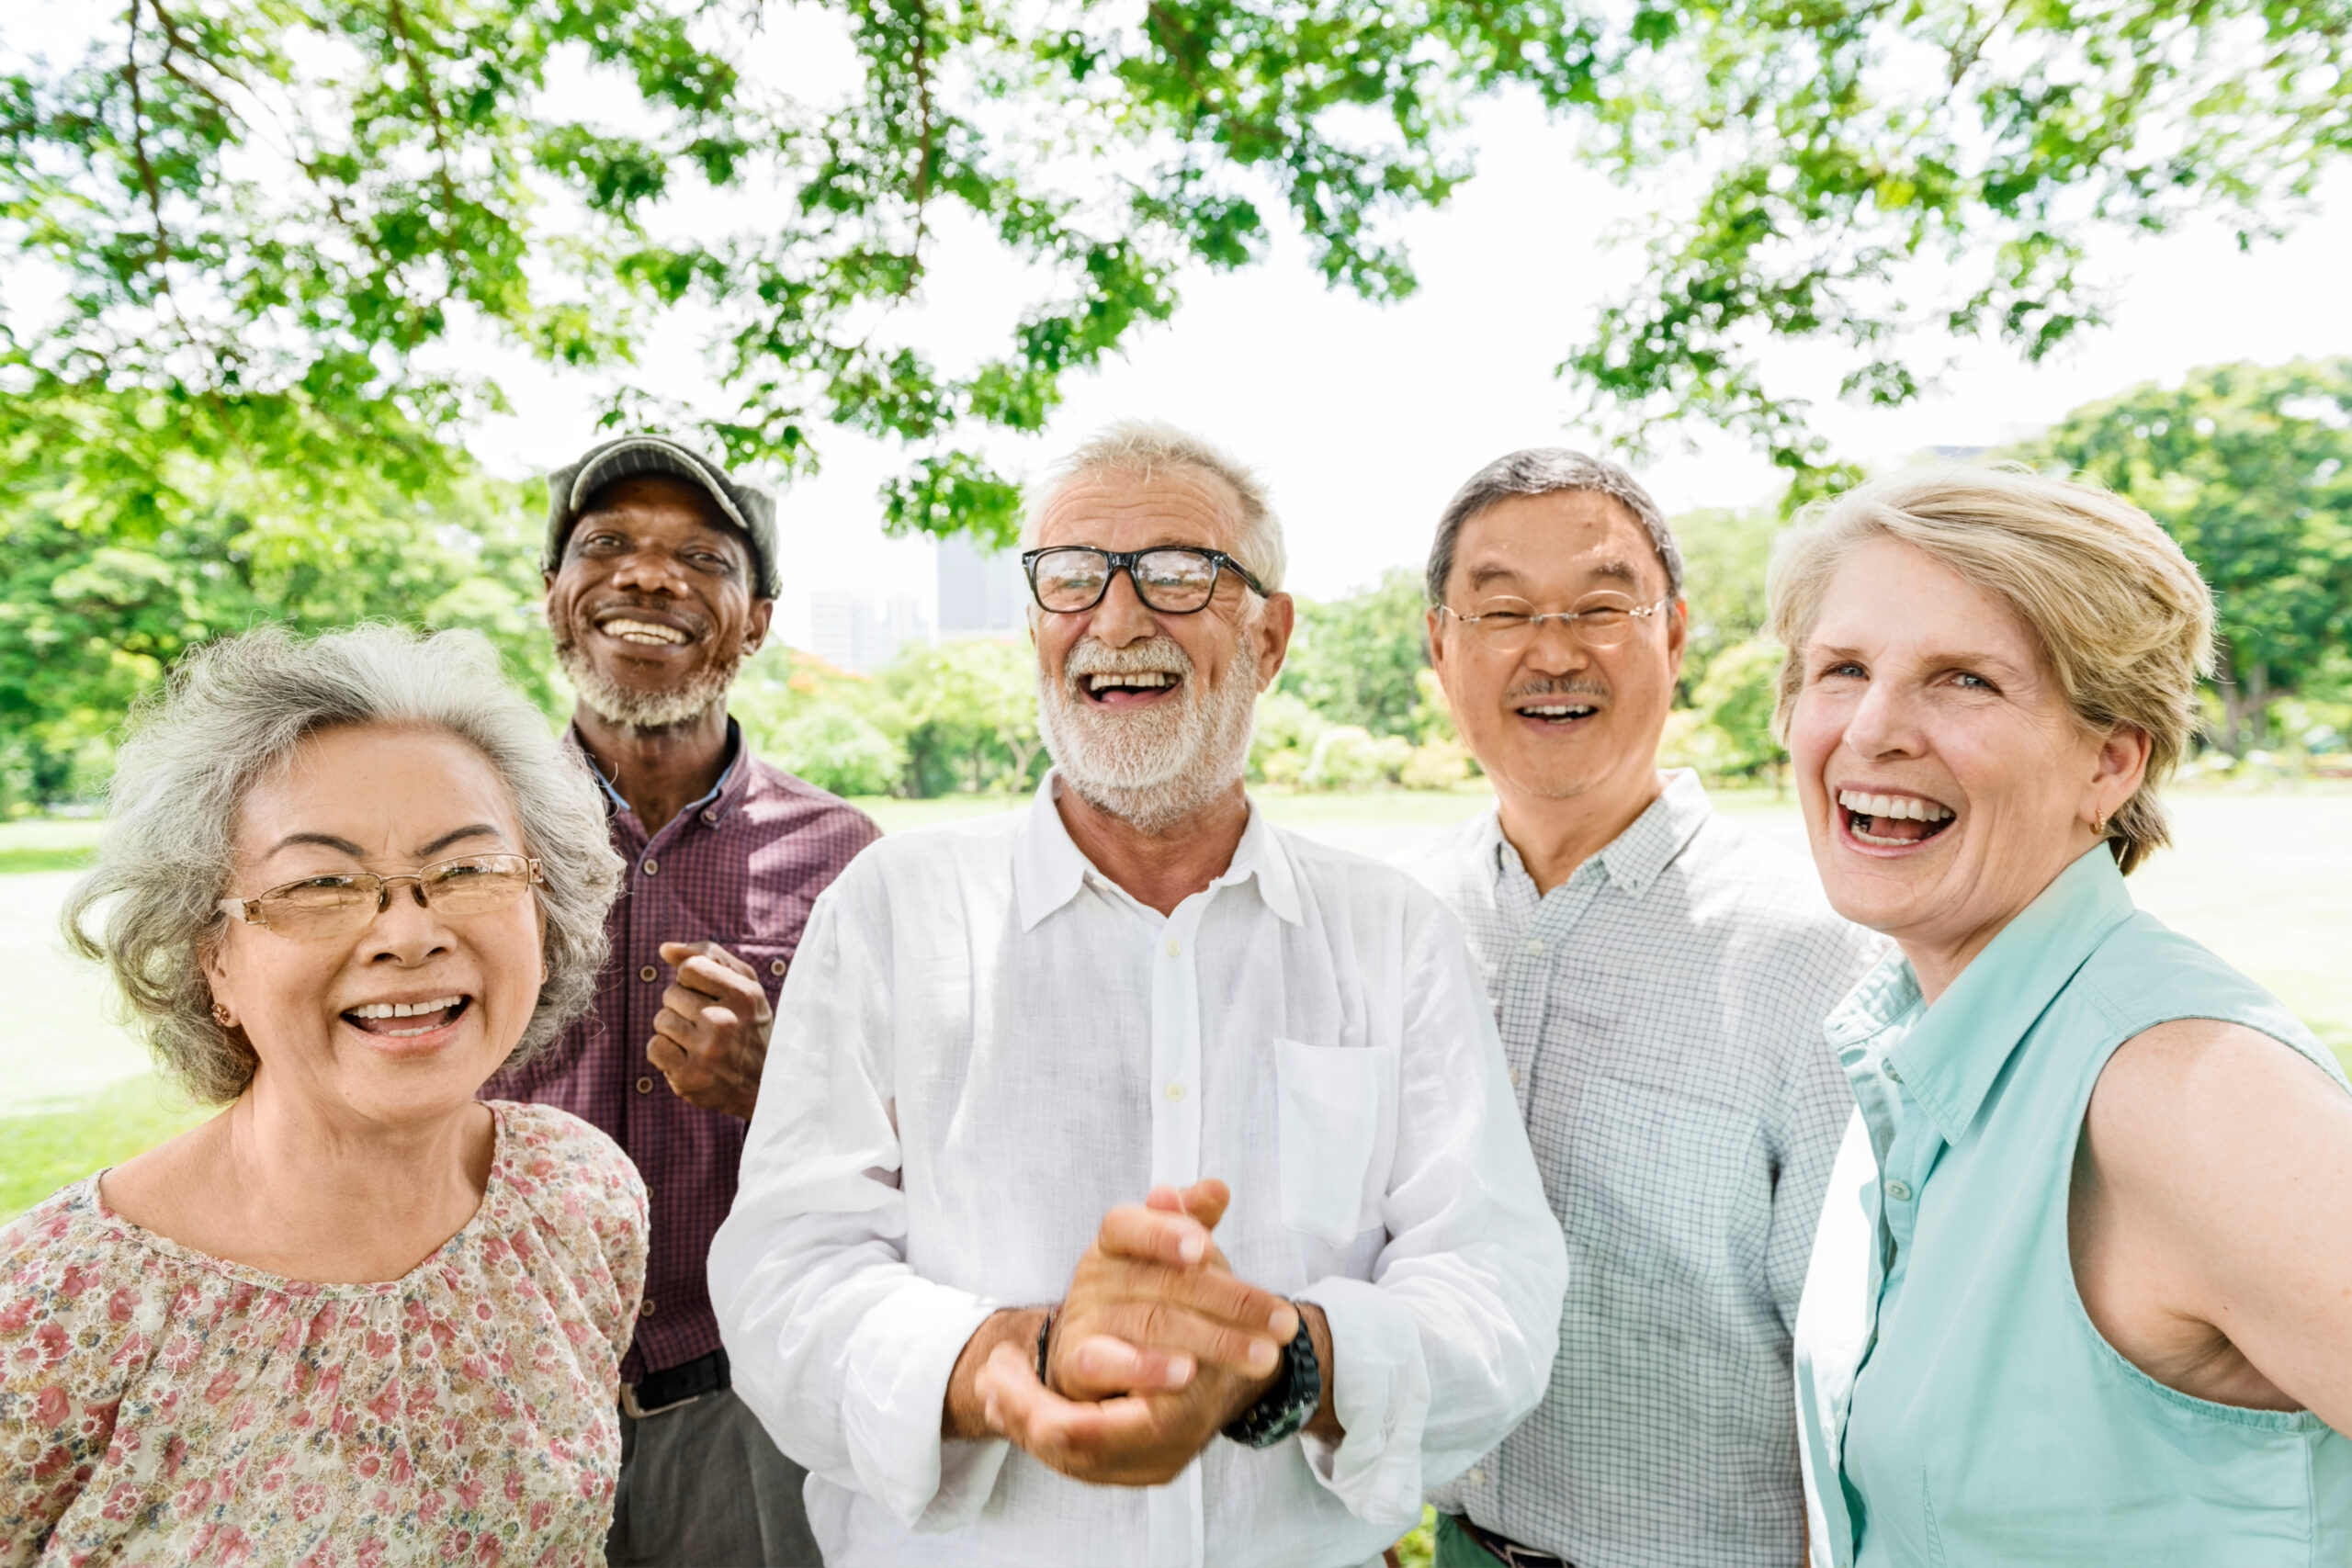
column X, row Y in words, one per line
column 1174, row 580
column 1598, row 620
column 337, row 905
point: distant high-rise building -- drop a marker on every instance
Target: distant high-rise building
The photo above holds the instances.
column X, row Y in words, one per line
column 981, row 594
column 833, row 627
column 848, row 632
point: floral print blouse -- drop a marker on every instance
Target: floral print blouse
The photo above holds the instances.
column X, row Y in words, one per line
column 158, row 1406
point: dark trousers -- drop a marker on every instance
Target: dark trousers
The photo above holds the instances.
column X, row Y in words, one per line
column 702, row 1487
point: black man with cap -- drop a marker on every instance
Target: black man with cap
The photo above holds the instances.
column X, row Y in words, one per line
column 661, row 576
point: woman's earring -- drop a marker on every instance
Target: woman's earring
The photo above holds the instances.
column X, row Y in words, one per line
column 221, row 1016
column 2099, row 824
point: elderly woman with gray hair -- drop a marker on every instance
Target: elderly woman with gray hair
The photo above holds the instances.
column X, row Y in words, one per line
column 2082, row 1287
column 358, row 1315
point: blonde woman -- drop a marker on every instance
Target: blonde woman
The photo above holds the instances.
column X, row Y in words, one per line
column 2082, row 1292
column 358, row 1316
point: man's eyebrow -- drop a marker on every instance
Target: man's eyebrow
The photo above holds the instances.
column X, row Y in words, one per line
column 1618, row 572
column 1490, row 573
column 474, row 831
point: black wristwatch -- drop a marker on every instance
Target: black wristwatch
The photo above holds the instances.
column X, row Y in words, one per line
column 1286, row 1408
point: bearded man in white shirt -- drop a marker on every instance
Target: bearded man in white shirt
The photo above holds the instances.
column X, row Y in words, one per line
column 1206, row 1124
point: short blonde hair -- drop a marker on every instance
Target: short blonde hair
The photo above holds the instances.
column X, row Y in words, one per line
column 1138, row 446
column 234, row 712
column 2124, row 621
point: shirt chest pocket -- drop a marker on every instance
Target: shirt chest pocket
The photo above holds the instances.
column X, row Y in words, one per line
column 1337, row 1120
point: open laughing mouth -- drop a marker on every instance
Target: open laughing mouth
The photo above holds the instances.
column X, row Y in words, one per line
column 1128, row 688
column 408, row 1021
column 1556, row 713
column 640, row 630
column 1893, row 821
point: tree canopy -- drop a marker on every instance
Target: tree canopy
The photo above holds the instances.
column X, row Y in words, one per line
column 2249, row 466
column 302, row 204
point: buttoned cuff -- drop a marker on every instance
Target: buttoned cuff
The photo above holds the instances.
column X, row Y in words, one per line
column 1380, row 1394
column 899, row 1362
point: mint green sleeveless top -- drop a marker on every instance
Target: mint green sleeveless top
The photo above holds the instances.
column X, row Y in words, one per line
column 1956, row 1404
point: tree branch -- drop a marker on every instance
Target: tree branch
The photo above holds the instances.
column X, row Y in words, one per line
column 424, row 85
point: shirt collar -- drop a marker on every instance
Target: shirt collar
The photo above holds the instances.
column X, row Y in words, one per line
column 1962, row 1042
column 1639, row 855
column 733, row 777
column 1048, row 868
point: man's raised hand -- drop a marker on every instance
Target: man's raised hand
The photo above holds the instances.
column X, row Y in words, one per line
column 711, row 1039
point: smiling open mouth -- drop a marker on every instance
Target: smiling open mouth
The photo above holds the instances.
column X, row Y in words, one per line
column 1556, row 712
column 1893, row 821
column 406, row 1020
column 1118, row 688
column 645, row 634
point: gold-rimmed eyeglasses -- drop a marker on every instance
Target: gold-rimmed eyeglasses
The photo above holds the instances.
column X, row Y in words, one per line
column 338, row 903
column 1598, row 620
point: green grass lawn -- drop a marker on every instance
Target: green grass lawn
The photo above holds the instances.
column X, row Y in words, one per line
column 43, row 1153
column 48, row 845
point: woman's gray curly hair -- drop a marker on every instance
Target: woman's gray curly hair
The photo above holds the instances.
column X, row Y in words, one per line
column 235, row 712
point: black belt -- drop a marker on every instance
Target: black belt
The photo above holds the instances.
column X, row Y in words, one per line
column 674, row 1386
column 1502, row 1548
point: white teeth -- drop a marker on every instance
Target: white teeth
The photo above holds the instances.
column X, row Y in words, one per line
column 404, row 1010
column 1559, row 712
column 642, row 632
column 1893, row 805
column 1103, row 678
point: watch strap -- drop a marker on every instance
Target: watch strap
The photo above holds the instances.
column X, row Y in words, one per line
column 1285, row 1408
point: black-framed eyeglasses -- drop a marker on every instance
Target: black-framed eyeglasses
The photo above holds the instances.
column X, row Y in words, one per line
column 341, row 903
column 1174, row 580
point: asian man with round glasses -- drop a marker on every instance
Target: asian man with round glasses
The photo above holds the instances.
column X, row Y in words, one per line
column 1660, row 976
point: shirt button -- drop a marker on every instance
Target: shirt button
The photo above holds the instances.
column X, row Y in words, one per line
column 710, row 815
column 1514, row 1077
column 1174, row 1091
column 776, row 966
column 1174, row 947
column 1533, row 946
column 1891, row 1075
column 645, row 1307
column 647, row 973
column 645, row 1085
column 1477, row 1477
column 1899, row 1190
column 651, row 865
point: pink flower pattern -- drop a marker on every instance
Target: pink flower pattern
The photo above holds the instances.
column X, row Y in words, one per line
column 160, row 1405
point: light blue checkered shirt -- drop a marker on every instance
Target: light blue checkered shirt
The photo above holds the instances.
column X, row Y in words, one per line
column 1661, row 1014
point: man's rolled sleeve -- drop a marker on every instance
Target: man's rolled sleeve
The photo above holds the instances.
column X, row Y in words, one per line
column 1450, row 1344
column 839, row 1347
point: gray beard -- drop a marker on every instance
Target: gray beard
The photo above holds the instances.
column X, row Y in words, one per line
column 1152, row 769
column 627, row 709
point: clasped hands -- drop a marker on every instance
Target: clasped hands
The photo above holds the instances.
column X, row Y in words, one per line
column 1157, row 1347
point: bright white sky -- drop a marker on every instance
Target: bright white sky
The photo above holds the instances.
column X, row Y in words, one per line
column 1365, row 418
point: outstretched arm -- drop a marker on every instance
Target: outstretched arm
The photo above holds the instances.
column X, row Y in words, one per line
column 2211, row 1218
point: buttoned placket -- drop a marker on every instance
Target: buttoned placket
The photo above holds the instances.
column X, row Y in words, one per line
column 1177, row 1513
column 1534, row 960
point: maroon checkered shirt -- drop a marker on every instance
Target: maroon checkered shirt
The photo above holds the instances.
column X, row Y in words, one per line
column 739, row 867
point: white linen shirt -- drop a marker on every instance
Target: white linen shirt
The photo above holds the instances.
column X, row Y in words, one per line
column 984, row 1044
